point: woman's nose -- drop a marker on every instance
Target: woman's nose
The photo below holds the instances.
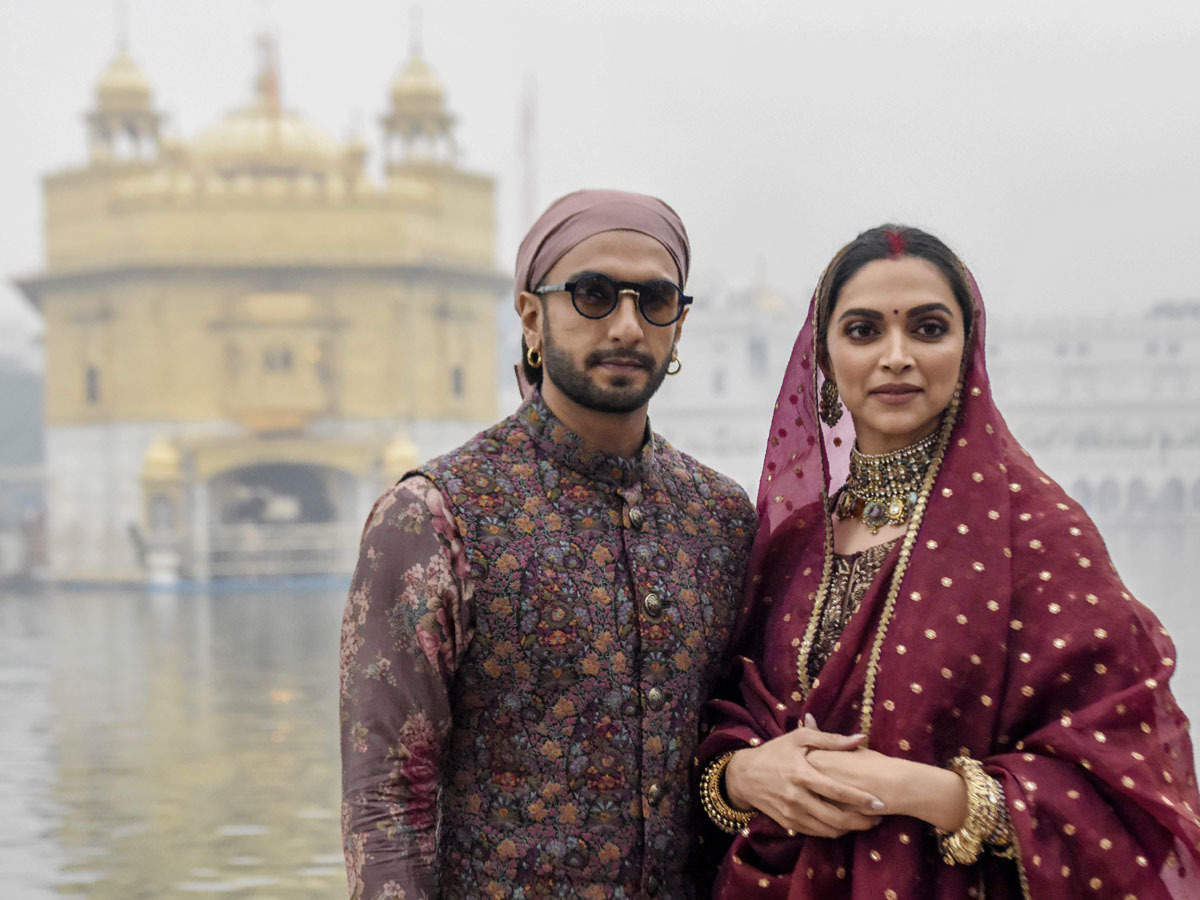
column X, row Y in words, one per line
column 897, row 355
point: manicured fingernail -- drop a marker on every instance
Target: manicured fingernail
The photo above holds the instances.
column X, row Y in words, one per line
column 877, row 804
column 809, row 720
column 855, row 737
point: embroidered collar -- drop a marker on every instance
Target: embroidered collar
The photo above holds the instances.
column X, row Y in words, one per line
column 557, row 442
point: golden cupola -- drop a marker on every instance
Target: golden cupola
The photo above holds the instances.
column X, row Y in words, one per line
column 123, row 126
column 417, row 128
column 264, row 138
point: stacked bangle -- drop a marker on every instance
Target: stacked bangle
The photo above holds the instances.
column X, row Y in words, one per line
column 726, row 817
column 987, row 819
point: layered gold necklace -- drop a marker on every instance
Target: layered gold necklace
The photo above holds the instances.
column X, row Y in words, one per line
column 882, row 489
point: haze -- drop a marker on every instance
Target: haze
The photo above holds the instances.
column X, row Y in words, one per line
column 1053, row 145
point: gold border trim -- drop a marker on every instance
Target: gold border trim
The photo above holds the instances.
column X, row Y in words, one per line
column 1019, row 857
column 889, row 606
column 910, row 538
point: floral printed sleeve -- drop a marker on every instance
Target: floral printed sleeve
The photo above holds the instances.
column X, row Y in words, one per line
column 405, row 627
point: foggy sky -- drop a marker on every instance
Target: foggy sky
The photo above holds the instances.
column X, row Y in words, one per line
column 1055, row 145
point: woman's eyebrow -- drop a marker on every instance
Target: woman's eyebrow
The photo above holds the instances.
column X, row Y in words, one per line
column 864, row 313
column 928, row 308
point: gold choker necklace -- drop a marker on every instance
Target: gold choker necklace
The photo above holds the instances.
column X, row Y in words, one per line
column 883, row 489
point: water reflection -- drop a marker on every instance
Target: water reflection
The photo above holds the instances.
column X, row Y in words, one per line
column 167, row 746
column 163, row 746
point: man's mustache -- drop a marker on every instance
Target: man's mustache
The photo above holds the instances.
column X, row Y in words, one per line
column 627, row 357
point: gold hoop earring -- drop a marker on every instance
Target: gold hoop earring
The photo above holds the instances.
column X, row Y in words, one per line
column 830, row 405
column 534, row 358
column 674, row 363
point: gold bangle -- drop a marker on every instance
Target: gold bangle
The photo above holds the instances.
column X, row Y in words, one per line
column 726, row 817
column 1000, row 840
column 985, row 803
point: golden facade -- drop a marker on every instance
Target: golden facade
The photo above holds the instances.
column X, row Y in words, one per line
column 250, row 334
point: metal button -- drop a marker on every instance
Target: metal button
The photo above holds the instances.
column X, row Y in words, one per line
column 654, row 793
column 653, row 605
column 637, row 518
column 655, row 698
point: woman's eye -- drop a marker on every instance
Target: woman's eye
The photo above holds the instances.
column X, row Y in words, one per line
column 932, row 328
column 859, row 330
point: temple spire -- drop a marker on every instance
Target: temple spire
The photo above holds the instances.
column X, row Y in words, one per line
column 266, row 84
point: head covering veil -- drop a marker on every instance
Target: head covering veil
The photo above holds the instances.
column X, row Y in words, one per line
column 579, row 215
column 1000, row 628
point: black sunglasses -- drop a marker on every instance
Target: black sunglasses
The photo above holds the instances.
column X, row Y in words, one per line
column 594, row 296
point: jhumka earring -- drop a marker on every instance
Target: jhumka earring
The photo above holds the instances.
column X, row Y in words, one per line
column 674, row 365
column 830, row 406
column 534, row 358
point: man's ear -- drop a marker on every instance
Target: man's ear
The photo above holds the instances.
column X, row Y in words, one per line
column 531, row 311
column 679, row 324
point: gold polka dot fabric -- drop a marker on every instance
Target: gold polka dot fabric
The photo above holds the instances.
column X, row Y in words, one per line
column 1000, row 629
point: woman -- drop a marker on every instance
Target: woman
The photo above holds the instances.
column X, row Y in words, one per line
column 1011, row 732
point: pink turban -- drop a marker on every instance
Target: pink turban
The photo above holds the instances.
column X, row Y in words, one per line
column 576, row 217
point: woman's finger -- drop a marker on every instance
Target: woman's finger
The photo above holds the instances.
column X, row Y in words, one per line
column 837, row 792
column 825, row 740
column 809, row 806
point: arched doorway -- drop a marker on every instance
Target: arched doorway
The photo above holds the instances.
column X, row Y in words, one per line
column 282, row 518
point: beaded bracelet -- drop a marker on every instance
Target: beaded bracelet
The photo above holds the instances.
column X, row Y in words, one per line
column 985, row 804
column 728, row 818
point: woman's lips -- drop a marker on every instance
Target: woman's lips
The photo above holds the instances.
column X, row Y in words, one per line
column 895, row 394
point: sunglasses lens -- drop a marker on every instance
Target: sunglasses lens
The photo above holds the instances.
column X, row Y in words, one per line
column 660, row 302
column 594, row 296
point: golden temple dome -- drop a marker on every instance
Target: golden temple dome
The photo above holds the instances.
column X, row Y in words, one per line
column 259, row 138
column 122, row 85
column 417, row 119
column 264, row 137
column 417, row 81
column 417, row 91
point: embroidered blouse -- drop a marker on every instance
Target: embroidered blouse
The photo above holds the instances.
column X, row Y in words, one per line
column 851, row 576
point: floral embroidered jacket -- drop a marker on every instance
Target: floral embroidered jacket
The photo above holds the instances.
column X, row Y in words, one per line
column 530, row 634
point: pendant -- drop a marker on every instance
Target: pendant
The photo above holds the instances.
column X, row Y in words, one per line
column 874, row 516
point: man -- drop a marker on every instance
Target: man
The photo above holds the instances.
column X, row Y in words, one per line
column 538, row 615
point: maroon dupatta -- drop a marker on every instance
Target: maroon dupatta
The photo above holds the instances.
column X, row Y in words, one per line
column 999, row 627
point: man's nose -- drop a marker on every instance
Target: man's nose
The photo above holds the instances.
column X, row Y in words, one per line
column 625, row 322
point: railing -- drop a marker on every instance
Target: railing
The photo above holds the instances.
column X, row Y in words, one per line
column 293, row 549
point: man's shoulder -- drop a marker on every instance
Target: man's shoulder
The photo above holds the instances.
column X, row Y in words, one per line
column 488, row 444
column 714, row 484
column 409, row 501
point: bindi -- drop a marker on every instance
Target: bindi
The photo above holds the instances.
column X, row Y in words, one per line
column 895, row 312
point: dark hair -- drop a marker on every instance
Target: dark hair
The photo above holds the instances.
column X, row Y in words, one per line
column 890, row 242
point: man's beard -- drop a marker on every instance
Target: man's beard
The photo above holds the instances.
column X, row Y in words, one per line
column 581, row 388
